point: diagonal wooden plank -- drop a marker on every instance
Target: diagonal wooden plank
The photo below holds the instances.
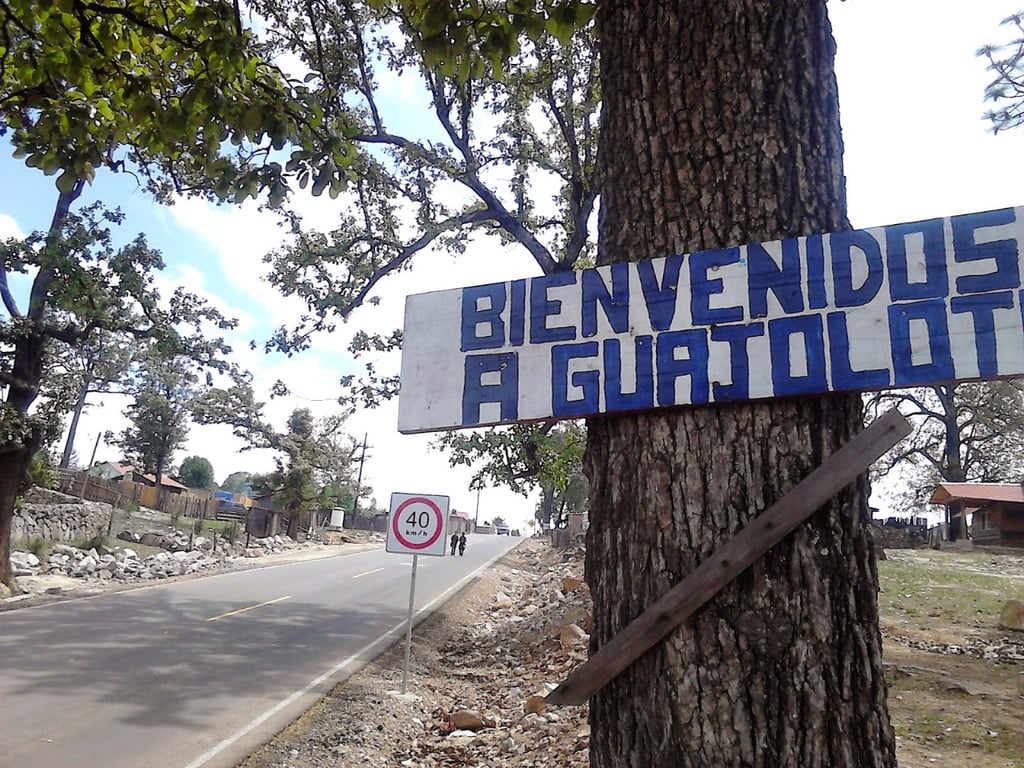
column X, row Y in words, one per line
column 735, row 556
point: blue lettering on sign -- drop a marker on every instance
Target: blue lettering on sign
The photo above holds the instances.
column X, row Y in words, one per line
column 817, row 298
column 660, row 298
column 506, row 392
column 643, row 395
column 739, row 360
column 517, row 313
column 843, row 374
column 588, row 381
column 702, row 288
column 695, row 365
column 780, row 331
column 483, row 305
column 764, row 275
column 615, row 303
column 843, row 244
column 936, row 283
column 850, row 310
column 1003, row 253
column 933, row 314
column 982, row 308
column 541, row 308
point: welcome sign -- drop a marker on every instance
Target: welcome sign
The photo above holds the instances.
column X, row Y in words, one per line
column 897, row 306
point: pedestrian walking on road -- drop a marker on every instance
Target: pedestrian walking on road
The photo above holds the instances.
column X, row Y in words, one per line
column 462, row 545
column 455, row 542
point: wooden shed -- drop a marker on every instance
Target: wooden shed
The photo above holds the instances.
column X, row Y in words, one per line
column 998, row 510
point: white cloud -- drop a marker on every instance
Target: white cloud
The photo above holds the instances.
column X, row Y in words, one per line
column 9, row 227
column 240, row 237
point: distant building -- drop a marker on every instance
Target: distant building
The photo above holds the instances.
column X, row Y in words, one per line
column 997, row 510
column 459, row 522
column 112, row 470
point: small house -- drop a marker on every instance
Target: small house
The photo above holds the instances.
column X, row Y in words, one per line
column 458, row 522
column 997, row 510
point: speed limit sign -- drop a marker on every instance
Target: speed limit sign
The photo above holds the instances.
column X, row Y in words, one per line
column 416, row 524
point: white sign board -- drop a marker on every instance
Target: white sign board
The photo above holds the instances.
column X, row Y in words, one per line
column 897, row 306
column 416, row 525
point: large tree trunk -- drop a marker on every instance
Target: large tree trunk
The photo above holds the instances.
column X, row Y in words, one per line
column 27, row 375
column 13, row 471
column 720, row 126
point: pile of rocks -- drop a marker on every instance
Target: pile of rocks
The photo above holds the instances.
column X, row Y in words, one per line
column 1005, row 649
column 119, row 563
column 174, row 540
column 182, row 556
column 535, row 633
column 270, row 545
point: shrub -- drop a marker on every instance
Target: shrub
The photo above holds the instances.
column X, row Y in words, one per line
column 43, row 470
column 230, row 532
column 198, row 526
column 97, row 542
column 38, row 547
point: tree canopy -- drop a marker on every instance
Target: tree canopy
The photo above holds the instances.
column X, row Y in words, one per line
column 196, row 472
column 92, row 287
column 159, row 89
column 238, row 482
column 314, row 462
column 1006, row 63
column 472, row 169
column 160, row 412
column 178, row 93
column 507, row 155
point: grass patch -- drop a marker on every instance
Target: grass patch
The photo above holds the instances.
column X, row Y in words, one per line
column 950, row 587
column 206, row 527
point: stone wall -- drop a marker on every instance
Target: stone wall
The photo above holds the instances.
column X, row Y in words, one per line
column 58, row 517
column 899, row 537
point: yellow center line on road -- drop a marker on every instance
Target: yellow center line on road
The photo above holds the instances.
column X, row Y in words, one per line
column 251, row 607
column 367, row 573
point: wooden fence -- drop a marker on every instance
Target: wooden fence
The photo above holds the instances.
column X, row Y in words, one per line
column 126, row 494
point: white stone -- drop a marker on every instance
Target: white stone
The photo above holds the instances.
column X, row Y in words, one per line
column 24, row 559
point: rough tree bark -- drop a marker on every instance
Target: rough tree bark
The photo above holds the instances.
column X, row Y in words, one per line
column 720, row 126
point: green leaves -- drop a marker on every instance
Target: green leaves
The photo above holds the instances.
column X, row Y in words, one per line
column 457, row 37
column 160, row 86
column 522, row 457
column 1006, row 91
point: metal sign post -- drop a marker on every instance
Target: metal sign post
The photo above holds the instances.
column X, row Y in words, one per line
column 408, row 626
column 416, row 526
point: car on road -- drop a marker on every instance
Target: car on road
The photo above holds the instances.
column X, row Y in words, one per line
column 502, row 530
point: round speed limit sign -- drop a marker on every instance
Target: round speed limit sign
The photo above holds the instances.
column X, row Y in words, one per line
column 416, row 525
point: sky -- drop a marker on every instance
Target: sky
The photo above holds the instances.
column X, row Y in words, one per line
column 916, row 147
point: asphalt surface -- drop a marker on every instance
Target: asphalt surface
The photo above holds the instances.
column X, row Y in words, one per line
column 196, row 674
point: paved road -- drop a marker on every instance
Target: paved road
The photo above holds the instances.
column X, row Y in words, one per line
column 197, row 673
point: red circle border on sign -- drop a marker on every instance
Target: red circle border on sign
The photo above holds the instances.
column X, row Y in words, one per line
column 398, row 512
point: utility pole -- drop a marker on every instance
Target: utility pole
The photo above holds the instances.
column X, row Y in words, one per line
column 95, row 447
column 85, row 475
column 359, row 481
column 478, row 481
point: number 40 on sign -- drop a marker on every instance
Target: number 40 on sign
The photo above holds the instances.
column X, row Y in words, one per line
column 416, row 524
